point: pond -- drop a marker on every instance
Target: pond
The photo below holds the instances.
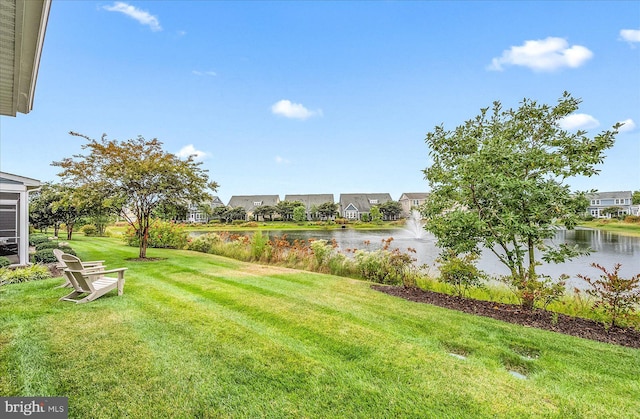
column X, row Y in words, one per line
column 608, row 249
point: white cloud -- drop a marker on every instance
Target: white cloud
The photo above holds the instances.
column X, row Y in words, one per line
column 281, row 160
column 204, row 73
column 628, row 126
column 577, row 121
column 141, row 16
column 293, row 110
column 190, row 150
column 543, row 55
column 630, row 35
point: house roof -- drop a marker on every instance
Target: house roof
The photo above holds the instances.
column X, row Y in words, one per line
column 414, row 195
column 609, row 195
column 248, row 202
column 310, row 199
column 22, row 25
column 362, row 201
column 10, row 179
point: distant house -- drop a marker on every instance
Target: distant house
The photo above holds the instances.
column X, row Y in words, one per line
column 251, row 202
column 410, row 201
column 196, row 213
column 354, row 205
column 602, row 204
column 14, row 217
column 310, row 201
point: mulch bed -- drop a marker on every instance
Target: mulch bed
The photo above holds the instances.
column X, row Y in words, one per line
column 540, row 319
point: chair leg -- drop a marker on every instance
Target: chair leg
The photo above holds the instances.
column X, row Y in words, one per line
column 71, row 297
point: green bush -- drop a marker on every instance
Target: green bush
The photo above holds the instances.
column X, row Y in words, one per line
column 162, row 234
column 45, row 256
column 89, row 230
column 461, row 272
column 36, row 239
column 237, row 222
column 24, row 274
column 259, row 246
column 4, row 262
column 50, row 244
column 204, row 243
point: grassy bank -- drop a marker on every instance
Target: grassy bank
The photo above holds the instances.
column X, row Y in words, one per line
column 619, row 227
column 197, row 335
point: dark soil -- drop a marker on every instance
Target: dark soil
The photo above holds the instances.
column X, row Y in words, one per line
column 540, row 319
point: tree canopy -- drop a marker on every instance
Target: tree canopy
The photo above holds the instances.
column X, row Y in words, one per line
column 136, row 177
column 497, row 182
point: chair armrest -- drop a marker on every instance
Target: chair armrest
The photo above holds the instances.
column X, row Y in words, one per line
column 111, row 271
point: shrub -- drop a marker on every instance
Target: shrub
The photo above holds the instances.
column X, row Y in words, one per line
column 385, row 266
column 204, row 243
column 617, row 296
column 537, row 290
column 45, row 256
column 36, row 239
column 89, row 230
column 162, row 234
column 259, row 246
column 237, row 222
column 4, row 262
column 632, row 219
column 49, row 244
column 461, row 272
column 24, row 274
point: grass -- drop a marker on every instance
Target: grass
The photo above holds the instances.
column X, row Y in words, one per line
column 620, row 227
column 198, row 335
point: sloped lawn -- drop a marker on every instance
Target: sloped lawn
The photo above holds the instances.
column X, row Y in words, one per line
column 197, row 335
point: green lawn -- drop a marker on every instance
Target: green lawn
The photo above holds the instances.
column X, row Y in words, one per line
column 198, row 335
column 619, row 227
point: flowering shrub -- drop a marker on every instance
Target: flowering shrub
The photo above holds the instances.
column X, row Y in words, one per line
column 162, row 234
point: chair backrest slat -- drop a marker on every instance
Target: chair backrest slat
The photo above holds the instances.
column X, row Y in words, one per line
column 76, row 272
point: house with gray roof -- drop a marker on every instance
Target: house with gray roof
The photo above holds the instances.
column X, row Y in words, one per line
column 251, row 202
column 410, row 201
column 354, row 205
column 197, row 213
column 310, row 201
column 601, row 201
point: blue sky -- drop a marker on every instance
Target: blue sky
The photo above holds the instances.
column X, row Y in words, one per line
column 322, row 97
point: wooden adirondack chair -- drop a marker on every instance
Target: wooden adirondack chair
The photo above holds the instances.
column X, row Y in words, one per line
column 92, row 282
column 94, row 264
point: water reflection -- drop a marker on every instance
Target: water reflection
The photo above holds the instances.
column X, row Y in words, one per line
column 608, row 249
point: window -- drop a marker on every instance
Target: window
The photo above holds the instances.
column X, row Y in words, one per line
column 257, row 203
column 416, row 202
column 620, row 201
column 595, row 202
column 373, row 201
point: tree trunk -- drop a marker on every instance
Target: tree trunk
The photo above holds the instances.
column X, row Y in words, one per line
column 144, row 240
column 69, row 231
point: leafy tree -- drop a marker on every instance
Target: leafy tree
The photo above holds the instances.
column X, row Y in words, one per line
column 328, row 210
column 497, row 182
column 390, row 209
column 69, row 207
column 285, row 208
column 375, row 214
column 635, row 198
column 237, row 213
column 264, row 211
column 221, row 212
column 299, row 214
column 41, row 213
column 612, row 211
column 138, row 176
